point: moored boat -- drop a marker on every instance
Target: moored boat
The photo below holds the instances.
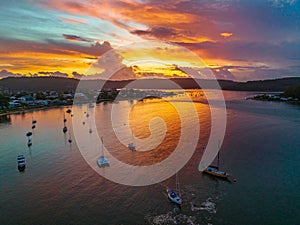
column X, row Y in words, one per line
column 65, row 129
column 175, row 196
column 214, row 171
column 131, row 146
column 29, row 143
column 102, row 161
column 21, row 163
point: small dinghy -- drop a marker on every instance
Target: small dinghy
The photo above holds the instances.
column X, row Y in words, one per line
column 21, row 163
column 68, row 111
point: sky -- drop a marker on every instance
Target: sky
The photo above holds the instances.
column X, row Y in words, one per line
column 237, row 39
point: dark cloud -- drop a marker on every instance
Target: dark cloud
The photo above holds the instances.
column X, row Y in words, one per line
column 157, row 32
column 54, row 74
column 76, row 38
column 53, row 47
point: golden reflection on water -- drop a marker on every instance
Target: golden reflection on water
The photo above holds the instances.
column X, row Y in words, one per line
column 141, row 113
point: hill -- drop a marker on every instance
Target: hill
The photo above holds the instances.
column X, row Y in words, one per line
column 35, row 84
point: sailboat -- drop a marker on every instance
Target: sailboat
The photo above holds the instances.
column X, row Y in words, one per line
column 70, row 139
column 131, row 145
column 65, row 120
column 214, row 170
column 172, row 195
column 90, row 130
column 102, row 161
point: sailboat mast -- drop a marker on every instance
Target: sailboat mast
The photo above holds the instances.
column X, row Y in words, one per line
column 218, row 154
column 177, row 184
column 102, row 146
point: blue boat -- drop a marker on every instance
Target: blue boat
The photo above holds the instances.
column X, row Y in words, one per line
column 172, row 195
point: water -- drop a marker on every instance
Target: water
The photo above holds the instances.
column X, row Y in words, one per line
column 261, row 149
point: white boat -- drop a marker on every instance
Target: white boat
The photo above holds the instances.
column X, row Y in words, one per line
column 21, row 163
column 102, row 161
column 172, row 195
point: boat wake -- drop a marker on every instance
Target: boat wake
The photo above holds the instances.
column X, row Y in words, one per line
column 170, row 218
column 208, row 206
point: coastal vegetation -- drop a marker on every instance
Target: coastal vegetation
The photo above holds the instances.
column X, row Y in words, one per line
column 291, row 95
column 293, row 92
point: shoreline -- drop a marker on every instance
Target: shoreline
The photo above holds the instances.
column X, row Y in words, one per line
column 23, row 111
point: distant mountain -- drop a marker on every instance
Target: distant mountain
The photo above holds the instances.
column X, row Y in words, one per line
column 34, row 84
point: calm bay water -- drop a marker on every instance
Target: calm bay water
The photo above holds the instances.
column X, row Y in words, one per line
column 261, row 149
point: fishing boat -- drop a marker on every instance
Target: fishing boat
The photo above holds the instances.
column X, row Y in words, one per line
column 33, row 127
column 28, row 134
column 21, row 163
column 68, row 111
column 102, row 161
column 214, row 170
column 34, row 121
column 172, row 195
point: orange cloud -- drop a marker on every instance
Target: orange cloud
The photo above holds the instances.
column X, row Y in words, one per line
column 226, row 34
